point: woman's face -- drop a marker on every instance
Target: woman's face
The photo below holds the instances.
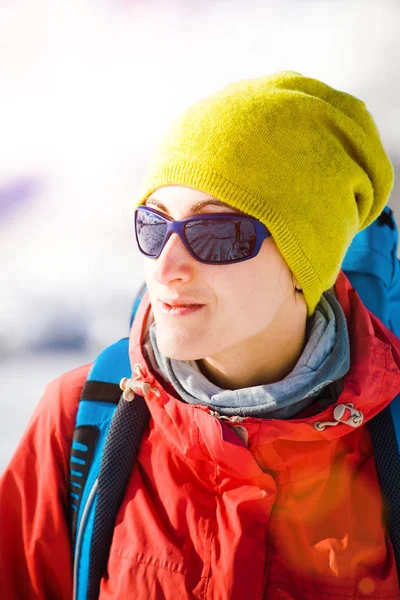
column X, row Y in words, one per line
column 238, row 303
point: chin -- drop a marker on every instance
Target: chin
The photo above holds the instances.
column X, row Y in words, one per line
column 179, row 348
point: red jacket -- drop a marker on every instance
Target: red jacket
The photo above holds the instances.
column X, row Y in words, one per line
column 297, row 514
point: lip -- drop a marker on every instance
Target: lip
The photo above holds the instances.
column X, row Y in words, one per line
column 179, row 308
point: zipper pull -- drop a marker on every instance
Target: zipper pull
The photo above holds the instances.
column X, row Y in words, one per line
column 343, row 413
column 128, row 386
column 233, row 419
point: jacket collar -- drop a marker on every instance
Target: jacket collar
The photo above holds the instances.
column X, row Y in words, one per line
column 371, row 383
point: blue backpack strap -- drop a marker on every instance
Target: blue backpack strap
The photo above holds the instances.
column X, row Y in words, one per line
column 102, row 452
column 373, row 268
column 99, row 400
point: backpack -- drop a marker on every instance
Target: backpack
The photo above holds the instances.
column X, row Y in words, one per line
column 373, row 268
column 108, row 431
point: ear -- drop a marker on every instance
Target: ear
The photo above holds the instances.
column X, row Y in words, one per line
column 297, row 286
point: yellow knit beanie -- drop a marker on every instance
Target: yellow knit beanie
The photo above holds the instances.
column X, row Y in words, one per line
column 300, row 156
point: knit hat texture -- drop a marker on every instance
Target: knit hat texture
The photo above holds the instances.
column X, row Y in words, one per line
column 303, row 158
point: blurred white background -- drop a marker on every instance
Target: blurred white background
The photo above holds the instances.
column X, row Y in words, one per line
column 86, row 89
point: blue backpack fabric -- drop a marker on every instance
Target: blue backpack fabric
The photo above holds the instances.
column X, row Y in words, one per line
column 373, row 268
column 108, row 430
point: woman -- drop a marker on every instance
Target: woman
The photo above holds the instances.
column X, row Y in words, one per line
column 256, row 477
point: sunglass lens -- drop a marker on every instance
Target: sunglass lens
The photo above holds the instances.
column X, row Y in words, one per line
column 221, row 240
column 150, row 231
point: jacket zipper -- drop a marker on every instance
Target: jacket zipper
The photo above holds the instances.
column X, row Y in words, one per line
column 79, row 537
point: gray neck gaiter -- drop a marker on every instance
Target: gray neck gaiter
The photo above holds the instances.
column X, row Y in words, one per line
column 324, row 361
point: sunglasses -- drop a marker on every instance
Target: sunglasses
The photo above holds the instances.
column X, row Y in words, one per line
column 213, row 239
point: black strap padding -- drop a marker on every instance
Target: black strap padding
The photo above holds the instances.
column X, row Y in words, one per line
column 100, row 391
column 88, row 436
column 387, row 458
column 127, row 426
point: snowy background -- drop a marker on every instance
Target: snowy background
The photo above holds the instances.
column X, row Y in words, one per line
column 86, row 87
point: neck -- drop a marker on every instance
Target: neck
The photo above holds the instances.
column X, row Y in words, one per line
column 265, row 358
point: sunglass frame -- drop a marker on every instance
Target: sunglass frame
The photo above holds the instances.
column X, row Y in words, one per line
column 178, row 227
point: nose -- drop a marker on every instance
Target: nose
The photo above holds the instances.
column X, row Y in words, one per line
column 174, row 263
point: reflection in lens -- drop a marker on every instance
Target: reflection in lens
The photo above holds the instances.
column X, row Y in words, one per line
column 151, row 230
column 221, row 240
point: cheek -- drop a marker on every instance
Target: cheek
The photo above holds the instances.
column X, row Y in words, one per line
column 253, row 289
column 273, row 274
column 239, row 290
